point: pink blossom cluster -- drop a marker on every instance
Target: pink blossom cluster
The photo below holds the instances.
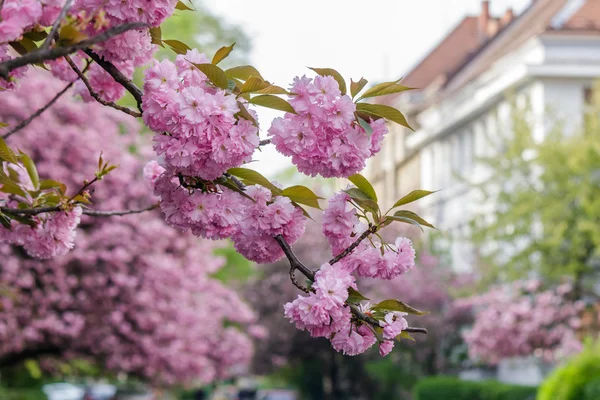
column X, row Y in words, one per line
column 227, row 214
column 134, row 295
column 323, row 313
column 323, row 136
column 522, row 320
column 198, row 133
column 341, row 226
column 52, row 236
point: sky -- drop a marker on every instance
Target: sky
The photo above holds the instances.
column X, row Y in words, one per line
column 379, row 40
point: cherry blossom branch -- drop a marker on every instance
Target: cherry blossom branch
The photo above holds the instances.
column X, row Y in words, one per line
column 56, row 25
column 264, row 142
column 370, row 320
column 92, row 213
column 295, row 263
column 372, row 229
column 95, row 95
column 42, row 55
column 36, row 114
column 118, row 76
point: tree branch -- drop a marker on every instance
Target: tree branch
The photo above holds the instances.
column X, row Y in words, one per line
column 372, row 229
column 42, row 55
column 92, row 213
column 12, row 359
column 295, row 263
column 264, row 142
column 95, row 95
column 36, row 114
column 370, row 320
column 118, row 77
column 56, row 25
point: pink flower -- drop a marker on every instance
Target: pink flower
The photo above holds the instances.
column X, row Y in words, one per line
column 386, row 347
column 393, row 324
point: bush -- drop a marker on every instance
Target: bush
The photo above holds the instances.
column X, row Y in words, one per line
column 579, row 379
column 455, row 389
column 22, row 394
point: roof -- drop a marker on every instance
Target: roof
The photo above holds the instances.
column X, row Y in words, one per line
column 587, row 17
column 447, row 55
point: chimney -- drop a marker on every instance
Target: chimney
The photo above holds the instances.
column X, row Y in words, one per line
column 484, row 19
column 508, row 16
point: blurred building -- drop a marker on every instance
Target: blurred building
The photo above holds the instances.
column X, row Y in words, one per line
column 549, row 56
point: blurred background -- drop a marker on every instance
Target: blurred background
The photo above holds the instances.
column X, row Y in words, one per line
column 506, row 118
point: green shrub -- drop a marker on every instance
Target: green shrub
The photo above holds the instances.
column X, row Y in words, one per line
column 22, row 394
column 579, row 379
column 448, row 388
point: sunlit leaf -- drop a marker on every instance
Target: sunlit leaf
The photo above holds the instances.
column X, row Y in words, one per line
column 36, row 36
column 355, row 296
column 177, row 46
column 215, row 74
column 391, row 218
column 356, row 87
column 222, row 54
column 31, row 170
column 363, row 200
column 413, row 216
column 383, row 111
column 3, row 124
column 396, row 305
column 333, row 73
column 412, row 196
column 253, row 177
column 405, row 335
column 182, row 6
column 274, row 102
column 302, row 195
column 243, row 72
column 254, row 84
column 156, row 35
column 12, row 188
column 244, row 113
column 363, row 184
column 6, row 153
column 273, row 89
column 385, row 88
column 70, row 34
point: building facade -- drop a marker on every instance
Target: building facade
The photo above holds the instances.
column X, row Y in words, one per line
column 548, row 56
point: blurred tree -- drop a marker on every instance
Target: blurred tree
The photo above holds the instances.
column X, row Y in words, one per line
column 547, row 208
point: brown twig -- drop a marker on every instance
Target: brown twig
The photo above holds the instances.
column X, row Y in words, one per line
column 95, row 95
column 295, row 263
column 92, row 213
column 264, row 142
column 56, row 25
column 36, row 114
column 118, row 77
column 370, row 320
column 42, row 55
column 372, row 229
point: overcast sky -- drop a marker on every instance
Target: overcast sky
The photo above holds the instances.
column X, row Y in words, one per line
column 378, row 39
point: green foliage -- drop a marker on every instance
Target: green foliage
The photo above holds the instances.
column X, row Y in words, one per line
column 22, row 394
column 436, row 388
column 236, row 269
column 579, row 379
column 546, row 203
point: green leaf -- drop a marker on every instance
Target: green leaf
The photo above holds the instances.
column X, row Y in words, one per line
column 405, row 335
column 31, row 170
column 254, row 84
column 36, row 36
column 6, row 153
column 222, row 54
column 177, row 46
column 215, row 74
column 363, row 184
column 356, row 87
column 391, row 218
column 274, row 102
column 354, row 296
column 333, row 73
column 12, row 188
column 273, row 89
column 243, row 72
column 412, row 196
column 34, row 369
column 231, row 185
column 413, row 216
column 5, row 222
column 365, row 125
column 363, row 200
column 182, row 6
column 302, row 195
column 3, row 124
column 24, row 46
column 383, row 111
column 253, row 177
column 244, row 113
column 396, row 305
column 385, row 88
column 156, row 35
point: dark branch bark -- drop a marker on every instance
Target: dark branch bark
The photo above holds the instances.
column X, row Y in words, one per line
column 92, row 213
column 372, row 229
column 118, row 77
column 56, row 25
column 264, row 142
column 294, row 262
column 370, row 320
column 13, row 359
column 42, row 55
column 95, row 95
